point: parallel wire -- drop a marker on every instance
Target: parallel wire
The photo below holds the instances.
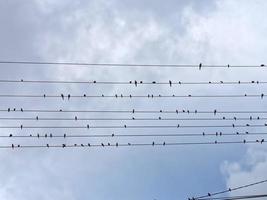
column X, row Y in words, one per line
column 136, row 83
column 83, row 145
column 177, row 126
column 113, row 135
column 230, row 190
column 237, row 197
column 37, row 118
column 120, row 96
column 84, row 64
column 215, row 111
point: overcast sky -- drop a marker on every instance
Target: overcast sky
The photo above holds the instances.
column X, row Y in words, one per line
column 146, row 32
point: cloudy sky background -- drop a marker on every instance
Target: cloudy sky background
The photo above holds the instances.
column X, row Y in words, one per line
column 169, row 32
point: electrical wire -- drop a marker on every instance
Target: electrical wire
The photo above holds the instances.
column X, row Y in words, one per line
column 130, row 144
column 177, row 126
column 37, row 118
column 114, row 135
column 229, row 190
column 151, row 96
column 135, row 83
column 184, row 111
column 85, row 64
column 236, row 197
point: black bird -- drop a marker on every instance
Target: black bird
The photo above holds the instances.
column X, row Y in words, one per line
column 262, row 141
column 47, row 145
column 102, row 145
column 170, row 82
column 68, row 96
column 12, row 146
column 62, row 96
column 8, row 110
column 200, row 66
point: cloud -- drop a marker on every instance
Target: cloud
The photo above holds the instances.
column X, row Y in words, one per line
column 144, row 32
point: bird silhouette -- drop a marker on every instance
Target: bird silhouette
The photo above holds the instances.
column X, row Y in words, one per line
column 200, row 66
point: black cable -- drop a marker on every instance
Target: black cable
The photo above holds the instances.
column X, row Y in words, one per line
column 215, row 111
column 120, row 96
column 113, row 135
column 135, row 83
column 83, row 64
column 37, row 118
column 83, row 145
column 236, row 197
column 230, row 190
column 178, row 126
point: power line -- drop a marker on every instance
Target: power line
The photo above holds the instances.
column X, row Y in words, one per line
column 229, row 190
column 120, row 96
column 236, row 197
column 114, row 135
column 178, row 126
column 37, row 118
column 184, row 111
column 85, row 64
column 135, row 83
column 83, row 145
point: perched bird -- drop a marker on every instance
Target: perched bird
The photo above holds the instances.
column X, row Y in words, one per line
column 200, row 66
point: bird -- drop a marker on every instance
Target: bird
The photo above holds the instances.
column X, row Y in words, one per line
column 47, row 145
column 262, row 141
column 68, row 96
column 12, row 146
column 170, row 82
column 102, row 145
column 200, row 66
column 62, row 96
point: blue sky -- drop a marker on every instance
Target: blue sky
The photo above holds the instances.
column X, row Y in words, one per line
column 169, row 32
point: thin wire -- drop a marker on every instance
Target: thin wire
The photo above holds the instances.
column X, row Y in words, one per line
column 37, row 118
column 130, row 144
column 151, row 96
column 178, row 126
column 113, row 135
column 83, row 64
column 215, row 111
column 237, row 197
column 231, row 189
column 136, row 83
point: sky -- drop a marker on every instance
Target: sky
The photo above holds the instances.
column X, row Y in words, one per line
column 215, row 32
